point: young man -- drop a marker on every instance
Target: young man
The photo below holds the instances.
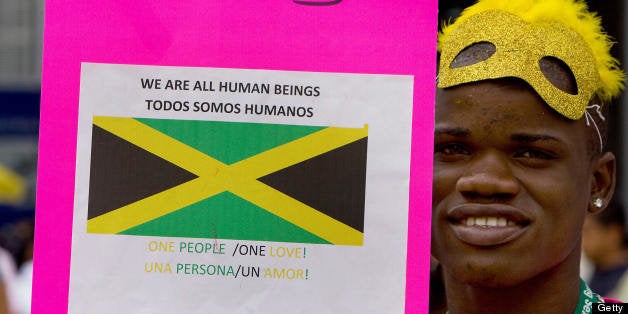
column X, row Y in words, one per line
column 518, row 154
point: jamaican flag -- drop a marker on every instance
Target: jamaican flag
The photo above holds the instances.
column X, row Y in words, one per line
column 227, row 180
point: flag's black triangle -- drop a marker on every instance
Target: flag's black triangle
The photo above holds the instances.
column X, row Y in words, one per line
column 122, row 173
column 332, row 183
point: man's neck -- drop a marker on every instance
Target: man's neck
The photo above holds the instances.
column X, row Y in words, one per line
column 554, row 291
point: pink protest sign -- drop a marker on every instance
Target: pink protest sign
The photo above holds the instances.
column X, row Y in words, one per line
column 241, row 157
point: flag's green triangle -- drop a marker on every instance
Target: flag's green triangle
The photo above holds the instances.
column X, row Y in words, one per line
column 225, row 216
column 229, row 142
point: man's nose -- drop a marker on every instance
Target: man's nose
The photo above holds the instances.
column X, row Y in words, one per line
column 489, row 175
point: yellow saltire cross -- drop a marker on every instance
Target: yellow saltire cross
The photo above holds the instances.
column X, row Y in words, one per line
column 215, row 177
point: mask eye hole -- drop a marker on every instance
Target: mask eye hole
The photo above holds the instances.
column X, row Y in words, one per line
column 558, row 73
column 473, row 54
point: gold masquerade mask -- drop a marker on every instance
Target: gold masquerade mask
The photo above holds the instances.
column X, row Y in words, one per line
column 520, row 47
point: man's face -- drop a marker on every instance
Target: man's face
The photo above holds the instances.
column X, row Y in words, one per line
column 512, row 182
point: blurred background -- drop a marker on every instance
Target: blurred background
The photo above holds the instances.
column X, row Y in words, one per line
column 21, row 28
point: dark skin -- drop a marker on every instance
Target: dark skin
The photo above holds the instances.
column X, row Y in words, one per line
column 4, row 308
column 513, row 182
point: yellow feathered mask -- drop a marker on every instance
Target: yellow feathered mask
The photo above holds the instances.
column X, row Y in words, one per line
column 523, row 33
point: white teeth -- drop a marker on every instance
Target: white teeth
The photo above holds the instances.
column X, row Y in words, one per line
column 480, row 221
column 502, row 222
column 487, row 222
column 491, row 221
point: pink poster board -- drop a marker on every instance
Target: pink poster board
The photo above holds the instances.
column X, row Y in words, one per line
column 370, row 37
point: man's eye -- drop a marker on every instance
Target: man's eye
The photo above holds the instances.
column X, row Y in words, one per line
column 535, row 158
column 534, row 154
column 452, row 149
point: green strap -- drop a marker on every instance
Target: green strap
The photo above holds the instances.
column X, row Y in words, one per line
column 586, row 300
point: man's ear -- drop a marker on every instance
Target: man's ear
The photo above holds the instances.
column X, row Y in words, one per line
column 602, row 182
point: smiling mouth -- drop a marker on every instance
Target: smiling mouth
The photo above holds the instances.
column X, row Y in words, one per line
column 487, row 225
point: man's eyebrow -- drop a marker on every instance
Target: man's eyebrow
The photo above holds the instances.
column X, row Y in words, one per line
column 529, row 138
column 457, row 132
